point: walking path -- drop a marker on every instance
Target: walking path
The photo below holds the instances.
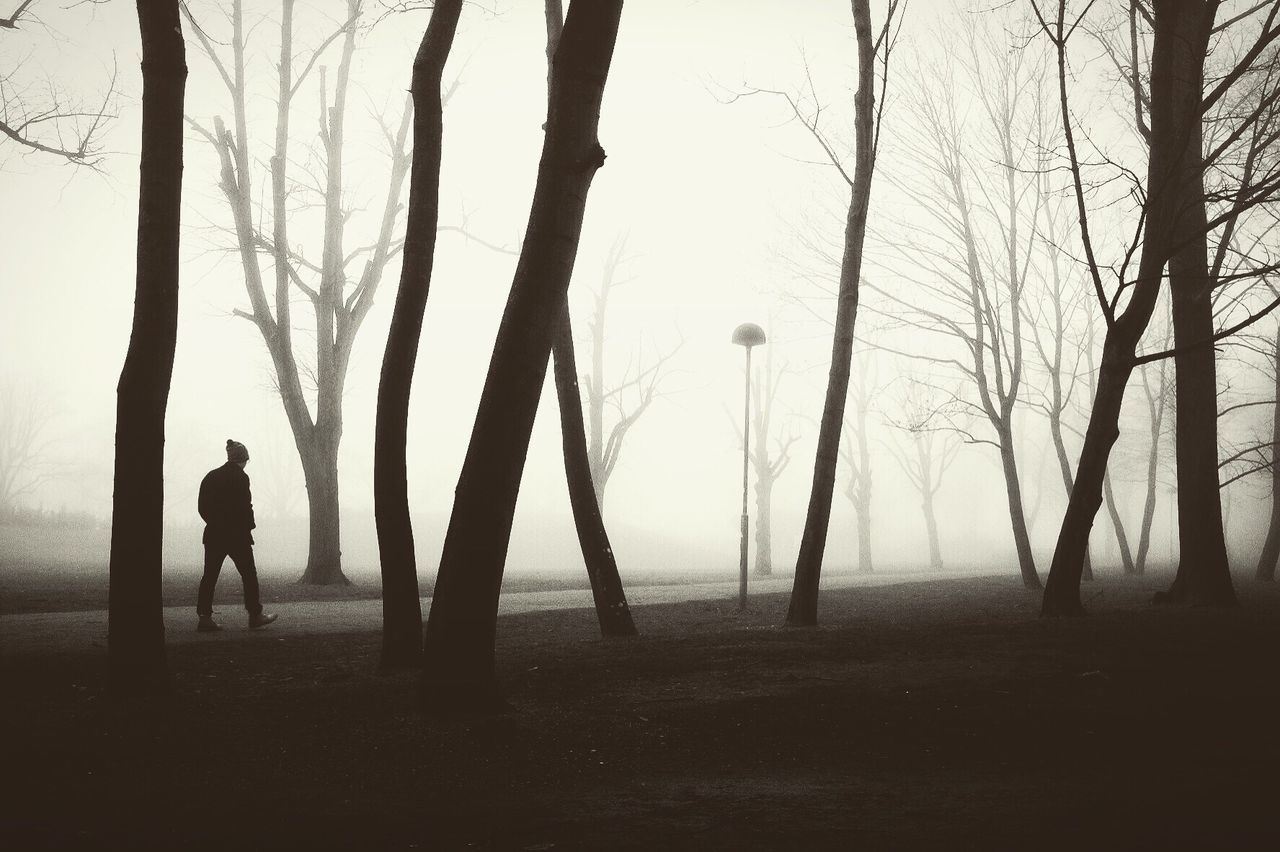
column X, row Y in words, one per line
column 52, row 632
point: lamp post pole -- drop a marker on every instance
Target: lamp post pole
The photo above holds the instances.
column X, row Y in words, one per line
column 746, row 442
column 746, row 335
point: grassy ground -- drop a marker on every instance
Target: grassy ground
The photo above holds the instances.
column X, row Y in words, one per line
column 933, row 715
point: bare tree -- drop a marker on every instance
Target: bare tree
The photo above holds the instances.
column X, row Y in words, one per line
column 401, row 606
column 135, row 618
column 803, row 609
column 1052, row 322
column 339, row 287
column 934, row 448
column 43, row 118
column 24, row 420
column 971, row 254
column 458, row 670
column 1172, row 229
column 631, row 397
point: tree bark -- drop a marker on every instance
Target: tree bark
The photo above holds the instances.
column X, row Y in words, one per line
column 458, row 664
column 1204, row 574
column 401, row 604
column 1180, row 40
column 136, row 654
column 1064, row 467
column 586, row 492
column 803, row 609
column 602, row 567
column 1266, row 571
column 324, row 547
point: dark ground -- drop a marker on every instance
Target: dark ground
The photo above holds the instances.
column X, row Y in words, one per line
column 931, row 715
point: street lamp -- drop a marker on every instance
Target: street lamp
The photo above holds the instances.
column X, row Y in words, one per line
column 746, row 335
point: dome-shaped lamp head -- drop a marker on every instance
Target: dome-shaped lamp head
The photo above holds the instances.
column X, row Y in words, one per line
column 748, row 334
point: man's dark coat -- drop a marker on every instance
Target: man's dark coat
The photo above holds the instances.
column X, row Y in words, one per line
column 226, row 506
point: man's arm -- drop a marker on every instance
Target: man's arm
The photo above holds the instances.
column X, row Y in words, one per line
column 203, row 503
column 249, row 502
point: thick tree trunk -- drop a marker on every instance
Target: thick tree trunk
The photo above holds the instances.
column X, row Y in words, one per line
column 401, row 605
column 1017, row 518
column 803, row 609
column 1180, row 42
column 1266, row 571
column 1204, row 575
column 764, row 524
column 136, row 655
column 602, row 567
column 324, row 549
column 458, row 664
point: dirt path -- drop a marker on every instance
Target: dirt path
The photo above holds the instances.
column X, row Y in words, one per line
column 56, row 632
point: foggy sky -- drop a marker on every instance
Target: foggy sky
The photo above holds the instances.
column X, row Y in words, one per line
column 709, row 193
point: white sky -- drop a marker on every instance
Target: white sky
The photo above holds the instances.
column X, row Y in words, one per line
column 708, row 193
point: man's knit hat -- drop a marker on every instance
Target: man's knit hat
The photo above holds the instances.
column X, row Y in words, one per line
column 236, row 451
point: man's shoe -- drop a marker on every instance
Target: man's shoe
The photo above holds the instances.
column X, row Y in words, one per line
column 208, row 625
column 261, row 619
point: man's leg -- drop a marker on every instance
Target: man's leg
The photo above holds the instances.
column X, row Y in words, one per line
column 213, row 557
column 242, row 556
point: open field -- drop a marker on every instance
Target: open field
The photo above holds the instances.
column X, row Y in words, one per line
column 922, row 715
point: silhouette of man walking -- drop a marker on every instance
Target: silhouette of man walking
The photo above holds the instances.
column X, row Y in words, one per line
column 227, row 509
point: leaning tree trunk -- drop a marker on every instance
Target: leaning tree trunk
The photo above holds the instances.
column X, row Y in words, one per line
column 136, row 656
column 1204, row 574
column 1122, row 538
column 1271, row 548
column 1179, row 47
column 324, row 548
column 1064, row 467
column 602, row 567
column 401, row 606
column 1148, row 516
column 1017, row 517
column 1062, row 588
column 458, row 663
column 803, row 609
